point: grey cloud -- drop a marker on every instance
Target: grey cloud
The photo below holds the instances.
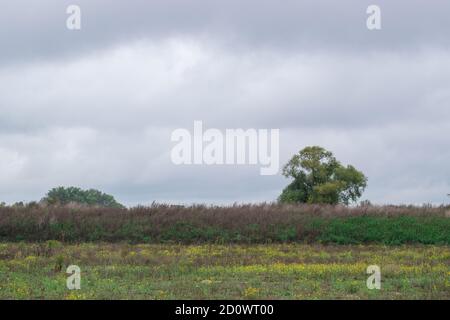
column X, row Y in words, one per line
column 36, row 30
column 96, row 108
column 174, row 82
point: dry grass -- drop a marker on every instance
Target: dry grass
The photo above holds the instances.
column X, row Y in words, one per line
column 239, row 223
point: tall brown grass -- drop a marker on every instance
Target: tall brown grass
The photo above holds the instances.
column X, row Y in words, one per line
column 160, row 222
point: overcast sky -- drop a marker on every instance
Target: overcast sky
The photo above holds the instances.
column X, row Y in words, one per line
column 96, row 107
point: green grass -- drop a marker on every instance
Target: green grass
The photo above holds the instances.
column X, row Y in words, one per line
column 276, row 271
column 348, row 230
column 386, row 230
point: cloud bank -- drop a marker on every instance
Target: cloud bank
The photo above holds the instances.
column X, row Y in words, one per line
column 96, row 107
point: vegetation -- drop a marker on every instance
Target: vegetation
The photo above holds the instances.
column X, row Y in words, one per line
column 91, row 197
column 308, row 245
column 276, row 271
column 265, row 223
column 320, row 178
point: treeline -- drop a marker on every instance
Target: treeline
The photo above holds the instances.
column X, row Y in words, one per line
column 264, row 223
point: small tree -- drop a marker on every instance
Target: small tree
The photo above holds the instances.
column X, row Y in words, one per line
column 320, row 178
column 91, row 197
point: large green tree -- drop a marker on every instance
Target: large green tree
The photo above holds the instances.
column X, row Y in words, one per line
column 91, row 197
column 319, row 178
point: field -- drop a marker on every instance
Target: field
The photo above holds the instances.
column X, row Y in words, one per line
column 277, row 271
column 266, row 251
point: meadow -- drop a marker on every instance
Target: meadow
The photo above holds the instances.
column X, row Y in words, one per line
column 276, row 271
column 266, row 251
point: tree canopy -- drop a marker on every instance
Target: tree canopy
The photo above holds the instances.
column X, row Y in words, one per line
column 319, row 178
column 91, row 197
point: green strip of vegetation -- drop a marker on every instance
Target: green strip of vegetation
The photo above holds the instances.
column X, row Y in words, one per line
column 386, row 230
column 363, row 229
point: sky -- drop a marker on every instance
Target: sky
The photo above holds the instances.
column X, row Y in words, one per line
column 96, row 107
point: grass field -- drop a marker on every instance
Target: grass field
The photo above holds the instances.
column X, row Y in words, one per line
column 276, row 271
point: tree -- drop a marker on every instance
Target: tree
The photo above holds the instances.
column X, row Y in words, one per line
column 320, row 178
column 91, row 197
